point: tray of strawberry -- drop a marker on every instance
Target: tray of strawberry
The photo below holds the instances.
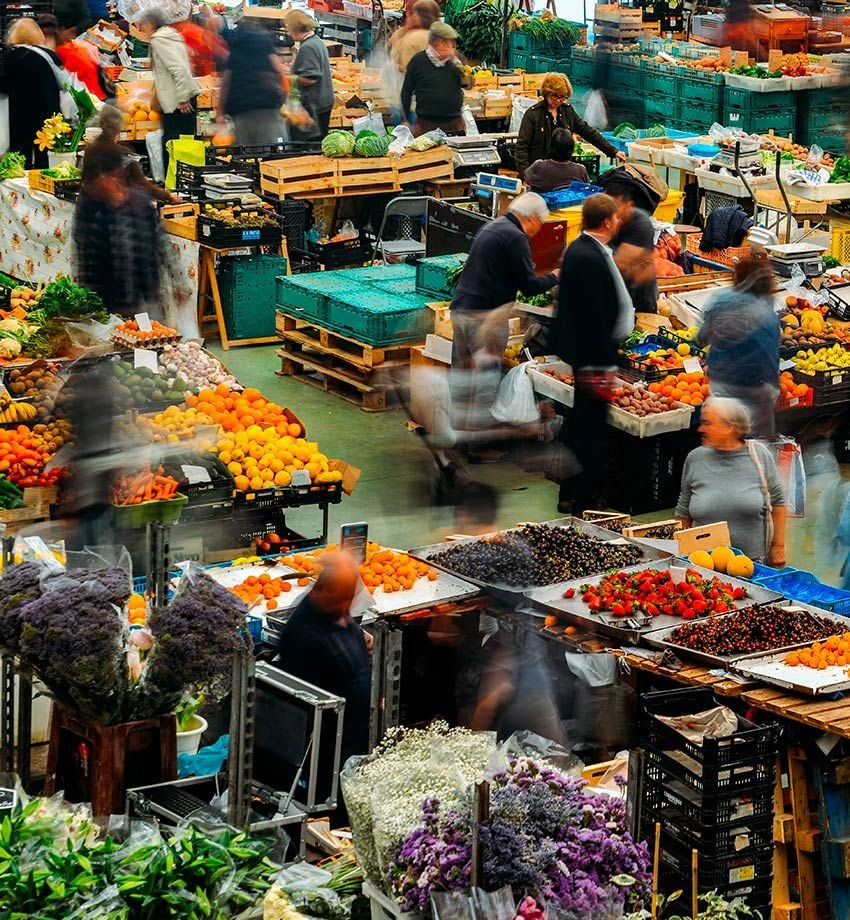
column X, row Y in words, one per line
column 730, row 640
column 635, row 602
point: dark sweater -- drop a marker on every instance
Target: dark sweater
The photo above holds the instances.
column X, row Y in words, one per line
column 439, row 95
column 548, row 175
column 498, row 266
column 254, row 83
column 33, row 97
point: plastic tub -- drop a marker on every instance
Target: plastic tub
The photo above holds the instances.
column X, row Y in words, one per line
column 805, row 587
column 667, row 210
column 132, row 517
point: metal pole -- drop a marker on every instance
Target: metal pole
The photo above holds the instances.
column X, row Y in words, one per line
column 159, row 562
column 379, row 652
column 240, row 761
column 7, row 713
column 24, row 727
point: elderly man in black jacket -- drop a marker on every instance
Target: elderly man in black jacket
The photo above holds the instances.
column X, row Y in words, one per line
column 499, row 266
column 594, row 314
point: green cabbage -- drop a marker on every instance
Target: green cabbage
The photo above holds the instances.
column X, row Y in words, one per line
column 338, row 144
column 371, row 146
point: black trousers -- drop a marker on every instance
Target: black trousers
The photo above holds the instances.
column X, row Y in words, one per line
column 174, row 124
column 586, row 436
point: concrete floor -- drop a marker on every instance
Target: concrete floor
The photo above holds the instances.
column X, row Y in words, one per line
column 394, row 491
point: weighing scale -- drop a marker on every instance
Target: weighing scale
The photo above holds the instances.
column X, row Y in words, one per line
column 491, row 190
column 471, row 154
column 805, row 255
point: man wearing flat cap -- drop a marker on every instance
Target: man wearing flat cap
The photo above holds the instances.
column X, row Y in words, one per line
column 433, row 77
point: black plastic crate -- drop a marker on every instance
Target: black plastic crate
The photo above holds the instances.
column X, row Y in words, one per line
column 213, row 233
column 293, row 219
column 195, row 512
column 731, row 778
column 290, row 496
column 191, row 178
column 344, row 252
column 301, row 262
column 748, row 744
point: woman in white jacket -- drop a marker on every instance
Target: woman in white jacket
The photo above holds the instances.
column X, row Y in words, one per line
column 176, row 88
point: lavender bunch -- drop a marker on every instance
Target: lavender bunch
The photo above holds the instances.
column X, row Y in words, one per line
column 19, row 585
column 436, row 857
column 74, row 640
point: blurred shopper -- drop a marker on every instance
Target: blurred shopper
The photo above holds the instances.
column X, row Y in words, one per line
column 252, row 87
column 311, row 72
column 325, row 647
column 594, row 314
column 98, row 9
column 73, row 15
column 559, row 170
column 499, row 265
column 733, row 480
column 534, row 139
column 634, row 244
column 477, row 509
column 175, row 87
column 30, row 78
column 742, row 329
column 207, row 49
column 78, row 58
column 406, row 42
column 434, row 80
column 116, row 233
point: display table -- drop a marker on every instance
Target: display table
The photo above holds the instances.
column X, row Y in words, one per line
column 36, row 246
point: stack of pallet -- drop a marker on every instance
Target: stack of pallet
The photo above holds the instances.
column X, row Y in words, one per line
column 618, row 24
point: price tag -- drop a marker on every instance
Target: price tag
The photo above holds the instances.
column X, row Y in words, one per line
column 196, row 474
column 144, row 322
column 726, row 56
column 144, row 357
column 787, row 365
column 793, row 401
column 774, row 59
column 837, row 379
column 692, row 366
column 300, row 478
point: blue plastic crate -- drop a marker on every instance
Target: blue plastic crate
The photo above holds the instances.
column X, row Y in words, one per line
column 255, row 627
column 804, row 587
column 575, row 193
column 761, row 572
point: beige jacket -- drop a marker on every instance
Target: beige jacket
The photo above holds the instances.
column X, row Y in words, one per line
column 171, row 69
column 404, row 44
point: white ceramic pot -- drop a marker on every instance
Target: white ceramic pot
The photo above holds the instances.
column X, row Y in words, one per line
column 54, row 159
column 189, row 741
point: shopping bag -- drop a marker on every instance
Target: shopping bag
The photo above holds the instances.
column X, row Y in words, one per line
column 792, row 474
column 153, row 144
column 374, row 121
column 187, row 150
column 596, row 112
column 519, row 106
column 469, row 124
column 515, row 403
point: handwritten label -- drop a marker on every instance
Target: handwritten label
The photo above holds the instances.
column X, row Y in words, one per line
column 144, row 357
column 300, row 478
column 692, row 366
column 196, row 474
column 144, row 322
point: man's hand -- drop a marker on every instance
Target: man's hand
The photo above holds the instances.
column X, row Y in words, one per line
column 621, row 157
column 776, row 556
column 185, row 107
column 369, row 639
column 556, row 272
column 174, row 198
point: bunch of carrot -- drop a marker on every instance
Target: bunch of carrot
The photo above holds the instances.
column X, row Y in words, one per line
column 143, row 487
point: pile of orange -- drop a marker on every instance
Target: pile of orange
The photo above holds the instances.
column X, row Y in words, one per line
column 264, row 586
column 236, row 411
column 136, row 610
column 822, row 655
column 688, row 388
column 24, row 452
column 790, row 389
column 383, row 568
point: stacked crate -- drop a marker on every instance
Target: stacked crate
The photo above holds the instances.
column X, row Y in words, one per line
column 822, row 119
column 660, row 94
column 760, row 113
column 700, row 99
column 716, row 797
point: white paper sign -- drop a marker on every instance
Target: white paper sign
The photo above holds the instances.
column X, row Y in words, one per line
column 196, row 473
column 692, row 366
column 300, row 478
column 786, row 365
column 144, row 357
column 144, row 322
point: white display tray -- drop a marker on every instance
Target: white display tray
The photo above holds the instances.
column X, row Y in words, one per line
column 832, row 191
column 546, row 385
column 771, row 669
column 235, row 575
column 650, row 425
column 756, row 85
column 731, row 185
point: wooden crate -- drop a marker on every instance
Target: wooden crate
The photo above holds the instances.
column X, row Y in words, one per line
column 37, row 504
column 497, row 108
column 482, row 82
column 38, row 182
column 532, row 82
column 298, row 176
column 424, row 165
column 509, row 81
column 358, row 175
column 143, row 128
column 180, row 220
column 442, row 318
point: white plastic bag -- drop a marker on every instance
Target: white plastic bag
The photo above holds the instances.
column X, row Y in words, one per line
column 519, row 106
column 596, row 112
column 153, row 143
column 515, row 403
column 469, row 122
column 374, row 121
column 403, row 139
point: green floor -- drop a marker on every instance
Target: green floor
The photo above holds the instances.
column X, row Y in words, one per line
column 394, row 491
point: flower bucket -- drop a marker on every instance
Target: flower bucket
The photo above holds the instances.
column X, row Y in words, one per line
column 189, row 741
column 54, row 159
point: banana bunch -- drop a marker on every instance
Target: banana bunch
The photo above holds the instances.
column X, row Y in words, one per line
column 17, row 411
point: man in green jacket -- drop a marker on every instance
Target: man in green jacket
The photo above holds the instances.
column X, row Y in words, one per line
column 433, row 77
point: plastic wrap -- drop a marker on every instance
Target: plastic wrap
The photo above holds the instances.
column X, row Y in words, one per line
column 176, row 10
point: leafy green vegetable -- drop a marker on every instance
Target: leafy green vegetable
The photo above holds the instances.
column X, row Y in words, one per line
column 12, row 165
column 626, row 132
column 338, row 144
column 655, row 131
column 757, row 73
column 479, row 27
column 841, row 170
column 453, row 275
column 371, row 145
column 66, row 299
column 553, row 31
column 830, row 262
column 63, row 171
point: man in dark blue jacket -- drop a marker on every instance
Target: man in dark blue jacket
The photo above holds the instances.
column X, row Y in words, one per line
column 499, row 266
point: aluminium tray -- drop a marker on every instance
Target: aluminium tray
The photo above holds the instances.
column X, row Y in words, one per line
column 771, row 669
column 513, row 594
column 552, row 600
column 660, row 638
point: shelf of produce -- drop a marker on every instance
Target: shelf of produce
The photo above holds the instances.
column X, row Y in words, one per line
column 446, row 589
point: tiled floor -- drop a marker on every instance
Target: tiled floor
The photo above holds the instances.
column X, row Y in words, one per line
column 394, row 492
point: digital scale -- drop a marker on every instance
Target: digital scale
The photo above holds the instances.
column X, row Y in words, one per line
column 492, row 189
column 808, row 257
column 471, row 154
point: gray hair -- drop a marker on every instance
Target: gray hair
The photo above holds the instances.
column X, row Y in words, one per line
column 156, row 16
column 529, row 206
column 731, row 411
column 110, row 119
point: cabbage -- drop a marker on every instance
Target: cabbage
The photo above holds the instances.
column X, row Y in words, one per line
column 372, row 146
column 365, row 133
column 338, row 144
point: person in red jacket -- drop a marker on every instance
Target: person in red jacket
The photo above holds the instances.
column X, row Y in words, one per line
column 75, row 57
column 207, row 49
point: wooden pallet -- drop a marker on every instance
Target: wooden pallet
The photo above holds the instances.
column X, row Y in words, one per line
column 372, row 393
column 304, row 334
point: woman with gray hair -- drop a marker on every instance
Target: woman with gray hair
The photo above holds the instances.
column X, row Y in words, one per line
column 734, row 480
column 175, row 86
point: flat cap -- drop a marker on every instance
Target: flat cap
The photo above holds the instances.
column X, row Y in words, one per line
column 440, row 29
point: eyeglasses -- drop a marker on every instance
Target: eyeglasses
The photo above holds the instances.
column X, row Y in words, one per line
column 557, row 97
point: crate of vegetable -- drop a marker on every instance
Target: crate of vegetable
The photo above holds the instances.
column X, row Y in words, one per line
column 235, row 225
column 643, row 413
column 48, row 180
column 146, row 498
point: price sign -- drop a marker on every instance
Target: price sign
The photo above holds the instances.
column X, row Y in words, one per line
column 300, row 478
column 692, row 366
column 144, row 357
column 838, row 379
column 786, row 365
column 195, row 474
column 144, row 322
column 354, row 537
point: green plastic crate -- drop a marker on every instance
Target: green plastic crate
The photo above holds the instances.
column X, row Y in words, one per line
column 518, row 59
column 625, row 78
column 380, row 319
column 581, row 71
column 699, row 115
column 745, row 101
column 133, row 517
column 836, row 144
column 521, row 41
column 706, row 89
column 760, row 122
column 249, row 294
column 431, row 275
column 659, row 78
column 661, row 110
